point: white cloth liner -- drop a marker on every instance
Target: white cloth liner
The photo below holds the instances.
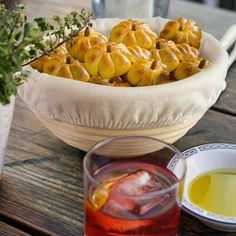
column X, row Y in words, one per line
column 101, row 106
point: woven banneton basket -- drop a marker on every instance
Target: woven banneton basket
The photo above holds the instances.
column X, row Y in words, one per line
column 81, row 113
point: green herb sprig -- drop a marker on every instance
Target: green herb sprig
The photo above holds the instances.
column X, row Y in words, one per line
column 23, row 41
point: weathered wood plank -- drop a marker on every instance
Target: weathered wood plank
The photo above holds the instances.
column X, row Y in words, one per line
column 54, row 7
column 7, row 230
column 43, row 179
column 25, row 124
column 47, row 183
column 190, row 226
column 39, row 199
column 227, row 102
column 213, row 127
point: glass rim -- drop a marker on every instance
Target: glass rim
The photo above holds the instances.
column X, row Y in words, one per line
column 145, row 195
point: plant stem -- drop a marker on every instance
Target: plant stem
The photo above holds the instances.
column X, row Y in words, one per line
column 52, row 48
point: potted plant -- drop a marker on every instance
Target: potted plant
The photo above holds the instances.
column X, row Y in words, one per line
column 21, row 42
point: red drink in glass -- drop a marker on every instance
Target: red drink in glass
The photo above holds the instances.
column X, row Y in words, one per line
column 132, row 200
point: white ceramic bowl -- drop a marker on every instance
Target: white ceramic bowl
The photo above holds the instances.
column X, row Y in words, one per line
column 202, row 159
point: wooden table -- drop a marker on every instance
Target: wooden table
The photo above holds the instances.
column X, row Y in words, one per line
column 42, row 188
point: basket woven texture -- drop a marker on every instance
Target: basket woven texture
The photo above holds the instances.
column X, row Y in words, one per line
column 82, row 113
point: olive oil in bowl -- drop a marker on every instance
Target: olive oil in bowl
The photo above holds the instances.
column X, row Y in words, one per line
column 215, row 191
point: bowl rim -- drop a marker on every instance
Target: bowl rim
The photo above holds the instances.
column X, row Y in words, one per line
column 147, row 195
column 190, row 207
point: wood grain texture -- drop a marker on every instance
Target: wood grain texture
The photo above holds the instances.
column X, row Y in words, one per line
column 213, row 127
column 190, row 226
column 54, row 7
column 7, row 230
column 43, row 177
column 226, row 102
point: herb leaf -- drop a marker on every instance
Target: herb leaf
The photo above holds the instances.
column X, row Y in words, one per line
column 23, row 41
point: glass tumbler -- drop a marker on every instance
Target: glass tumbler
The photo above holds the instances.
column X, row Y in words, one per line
column 130, row 8
column 129, row 189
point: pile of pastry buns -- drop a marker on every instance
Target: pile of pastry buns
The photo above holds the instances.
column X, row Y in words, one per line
column 134, row 55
